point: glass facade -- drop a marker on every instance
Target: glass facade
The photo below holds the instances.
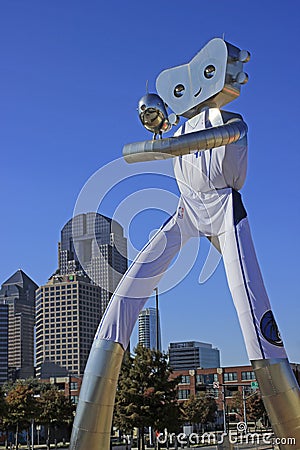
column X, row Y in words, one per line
column 68, row 312
column 147, row 329
column 92, row 256
column 193, row 355
column 95, row 245
column 17, row 297
column 3, row 343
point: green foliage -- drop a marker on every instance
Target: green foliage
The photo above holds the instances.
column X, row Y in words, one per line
column 54, row 406
column 200, row 409
column 21, row 405
column 3, row 409
column 236, row 404
column 255, row 407
column 146, row 395
column 27, row 400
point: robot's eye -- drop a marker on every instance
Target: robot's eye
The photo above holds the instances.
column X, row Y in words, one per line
column 179, row 90
column 209, row 71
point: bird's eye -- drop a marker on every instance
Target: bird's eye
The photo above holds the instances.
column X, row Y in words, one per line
column 179, row 90
column 143, row 107
column 209, row 71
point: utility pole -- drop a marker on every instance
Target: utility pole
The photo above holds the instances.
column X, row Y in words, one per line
column 157, row 318
column 224, row 408
column 32, row 434
column 244, row 406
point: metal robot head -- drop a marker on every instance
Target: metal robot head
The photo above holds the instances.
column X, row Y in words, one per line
column 212, row 78
column 153, row 114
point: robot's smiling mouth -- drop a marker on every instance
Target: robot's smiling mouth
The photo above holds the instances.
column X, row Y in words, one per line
column 197, row 93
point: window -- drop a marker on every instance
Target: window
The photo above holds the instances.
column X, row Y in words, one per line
column 206, row 379
column 185, row 379
column 183, row 394
column 230, row 376
column 249, row 375
column 213, row 392
column 230, row 391
column 73, row 385
column 74, row 399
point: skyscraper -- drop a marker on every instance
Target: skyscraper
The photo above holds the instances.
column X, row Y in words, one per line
column 17, row 299
column 96, row 245
column 193, row 355
column 68, row 311
column 92, row 257
column 3, row 343
column 148, row 329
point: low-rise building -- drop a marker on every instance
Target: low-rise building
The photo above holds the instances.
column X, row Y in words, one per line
column 193, row 354
column 223, row 384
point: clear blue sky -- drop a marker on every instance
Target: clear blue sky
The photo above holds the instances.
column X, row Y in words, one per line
column 71, row 73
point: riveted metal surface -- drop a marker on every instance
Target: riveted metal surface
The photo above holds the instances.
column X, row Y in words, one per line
column 101, row 351
column 281, row 396
column 92, row 423
column 93, row 417
column 97, row 390
column 88, row 440
column 275, row 375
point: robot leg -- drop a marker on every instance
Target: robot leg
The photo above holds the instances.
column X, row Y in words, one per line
column 92, row 424
column 278, row 386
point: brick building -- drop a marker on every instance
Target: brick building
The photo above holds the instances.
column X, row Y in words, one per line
column 222, row 383
column 70, row 385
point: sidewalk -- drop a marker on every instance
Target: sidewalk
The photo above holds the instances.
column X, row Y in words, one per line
column 123, row 447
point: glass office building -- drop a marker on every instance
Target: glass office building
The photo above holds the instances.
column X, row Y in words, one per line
column 96, row 245
column 193, row 355
column 148, row 329
column 17, row 300
column 92, row 258
column 68, row 312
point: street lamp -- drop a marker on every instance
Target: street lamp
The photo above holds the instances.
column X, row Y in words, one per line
column 157, row 318
column 32, row 434
column 244, row 406
column 38, row 429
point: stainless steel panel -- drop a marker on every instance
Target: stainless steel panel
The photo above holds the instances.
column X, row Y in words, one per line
column 281, row 396
column 92, row 423
column 206, row 139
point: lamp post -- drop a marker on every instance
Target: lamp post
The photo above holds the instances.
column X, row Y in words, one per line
column 157, row 318
column 224, row 409
column 32, row 434
column 244, row 406
column 38, row 429
column 157, row 348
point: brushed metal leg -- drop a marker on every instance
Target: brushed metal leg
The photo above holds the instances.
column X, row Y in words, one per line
column 281, row 396
column 92, row 424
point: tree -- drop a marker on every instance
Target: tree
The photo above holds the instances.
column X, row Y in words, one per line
column 3, row 409
column 21, row 408
column 236, row 404
column 27, row 400
column 120, row 418
column 54, row 409
column 255, row 407
column 200, row 409
column 146, row 396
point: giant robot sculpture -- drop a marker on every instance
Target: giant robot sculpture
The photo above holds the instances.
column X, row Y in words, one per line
column 210, row 161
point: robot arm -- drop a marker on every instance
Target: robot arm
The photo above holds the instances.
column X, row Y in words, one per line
column 232, row 131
